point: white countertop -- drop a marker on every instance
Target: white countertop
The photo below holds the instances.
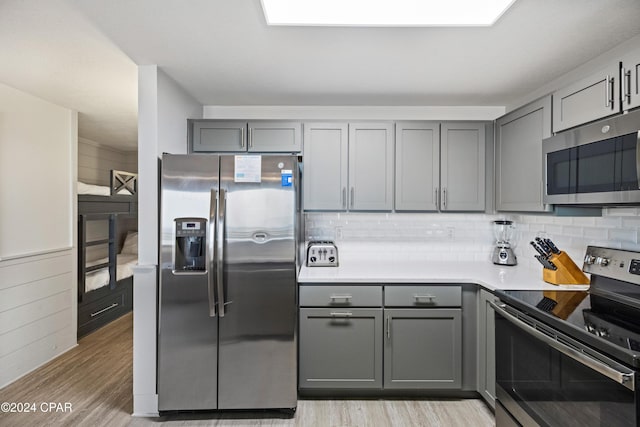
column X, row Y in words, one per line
column 482, row 273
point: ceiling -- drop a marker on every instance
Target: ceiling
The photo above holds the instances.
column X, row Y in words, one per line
column 83, row 54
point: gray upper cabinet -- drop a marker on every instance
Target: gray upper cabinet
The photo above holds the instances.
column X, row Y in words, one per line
column 325, row 166
column 217, row 135
column 631, row 81
column 462, row 167
column 237, row 136
column 417, row 166
column 589, row 99
column 371, row 147
column 519, row 135
column 275, row 136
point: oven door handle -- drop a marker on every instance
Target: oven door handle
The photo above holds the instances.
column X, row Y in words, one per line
column 626, row 379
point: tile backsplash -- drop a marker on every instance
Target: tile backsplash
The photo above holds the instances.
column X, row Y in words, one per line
column 437, row 236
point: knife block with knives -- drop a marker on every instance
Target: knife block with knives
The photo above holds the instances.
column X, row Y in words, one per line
column 559, row 268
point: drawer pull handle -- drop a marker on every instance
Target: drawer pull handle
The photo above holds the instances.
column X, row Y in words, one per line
column 429, row 297
column 114, row 305
column 347, row 314
column 344, row 297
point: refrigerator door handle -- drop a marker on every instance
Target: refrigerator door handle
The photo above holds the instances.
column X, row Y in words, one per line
column 213, row 207
column 222, row 201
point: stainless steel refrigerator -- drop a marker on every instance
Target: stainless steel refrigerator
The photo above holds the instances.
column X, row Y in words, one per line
column 227, row 298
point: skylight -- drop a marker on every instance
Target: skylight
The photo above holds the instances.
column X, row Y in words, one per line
column 384, row 13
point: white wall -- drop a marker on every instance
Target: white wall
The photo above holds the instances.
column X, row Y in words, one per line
column 163, row 111
column 95, row 161
column 38, row 307
column 352, row 112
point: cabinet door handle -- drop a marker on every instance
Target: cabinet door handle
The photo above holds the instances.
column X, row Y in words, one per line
column 388, row 327
column 250, row 138
column 112, row 306
column 352, row 196
column 429, row 297
column 344, row 297
column 609, row 92
column 444, row 198
column 346, row 314
column 436, row 197
column 344, row 197
column 626, row 86
column 241, row 137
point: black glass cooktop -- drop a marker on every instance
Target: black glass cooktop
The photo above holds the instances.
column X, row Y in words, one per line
column 611, row 325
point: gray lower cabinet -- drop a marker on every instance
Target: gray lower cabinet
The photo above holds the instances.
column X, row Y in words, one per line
column 462, row 167
column 589, row 99
column 207, row 135
column 486, row 348
column 423, row 348
column 519, row 163
column 340, row 348
column 326, row 148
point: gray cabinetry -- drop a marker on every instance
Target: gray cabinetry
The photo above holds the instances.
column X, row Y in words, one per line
column 217, row 135
column 341, row 337
column 519, row 135
column 417, row 166
column 206, row 135
column 325, row 166
column 423, row 348
column 340, row 348
column 462, row 167
column 486, row 348
column 631, row 81
column 591, row 98
column 371, row 166
column 275, row 136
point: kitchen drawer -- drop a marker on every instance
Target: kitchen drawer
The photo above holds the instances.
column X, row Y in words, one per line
column 423, row 296
column 341, row 296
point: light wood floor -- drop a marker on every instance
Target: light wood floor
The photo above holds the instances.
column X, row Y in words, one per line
column 96, row 379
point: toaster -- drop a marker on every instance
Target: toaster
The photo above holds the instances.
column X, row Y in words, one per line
column 322, row 254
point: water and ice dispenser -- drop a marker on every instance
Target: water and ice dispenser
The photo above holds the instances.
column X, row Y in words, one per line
column 190, row 245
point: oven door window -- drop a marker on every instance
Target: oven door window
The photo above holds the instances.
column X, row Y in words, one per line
column 554, row 389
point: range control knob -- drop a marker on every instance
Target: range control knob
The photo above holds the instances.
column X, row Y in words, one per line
column 602, row 261
column 589, row 259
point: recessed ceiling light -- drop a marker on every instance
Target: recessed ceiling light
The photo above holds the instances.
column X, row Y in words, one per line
column 384, row 13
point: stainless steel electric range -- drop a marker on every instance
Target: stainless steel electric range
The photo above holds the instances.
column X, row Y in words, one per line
column 572, row 358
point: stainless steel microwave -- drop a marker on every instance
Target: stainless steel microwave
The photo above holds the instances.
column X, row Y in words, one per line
column 596, row 164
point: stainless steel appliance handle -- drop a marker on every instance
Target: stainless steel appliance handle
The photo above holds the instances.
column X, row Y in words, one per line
column 626, row 379
column 222, row 206
column 213, row 207
column 638, row 158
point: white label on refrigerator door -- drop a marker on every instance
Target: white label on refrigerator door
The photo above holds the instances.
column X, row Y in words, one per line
column 248, row 169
